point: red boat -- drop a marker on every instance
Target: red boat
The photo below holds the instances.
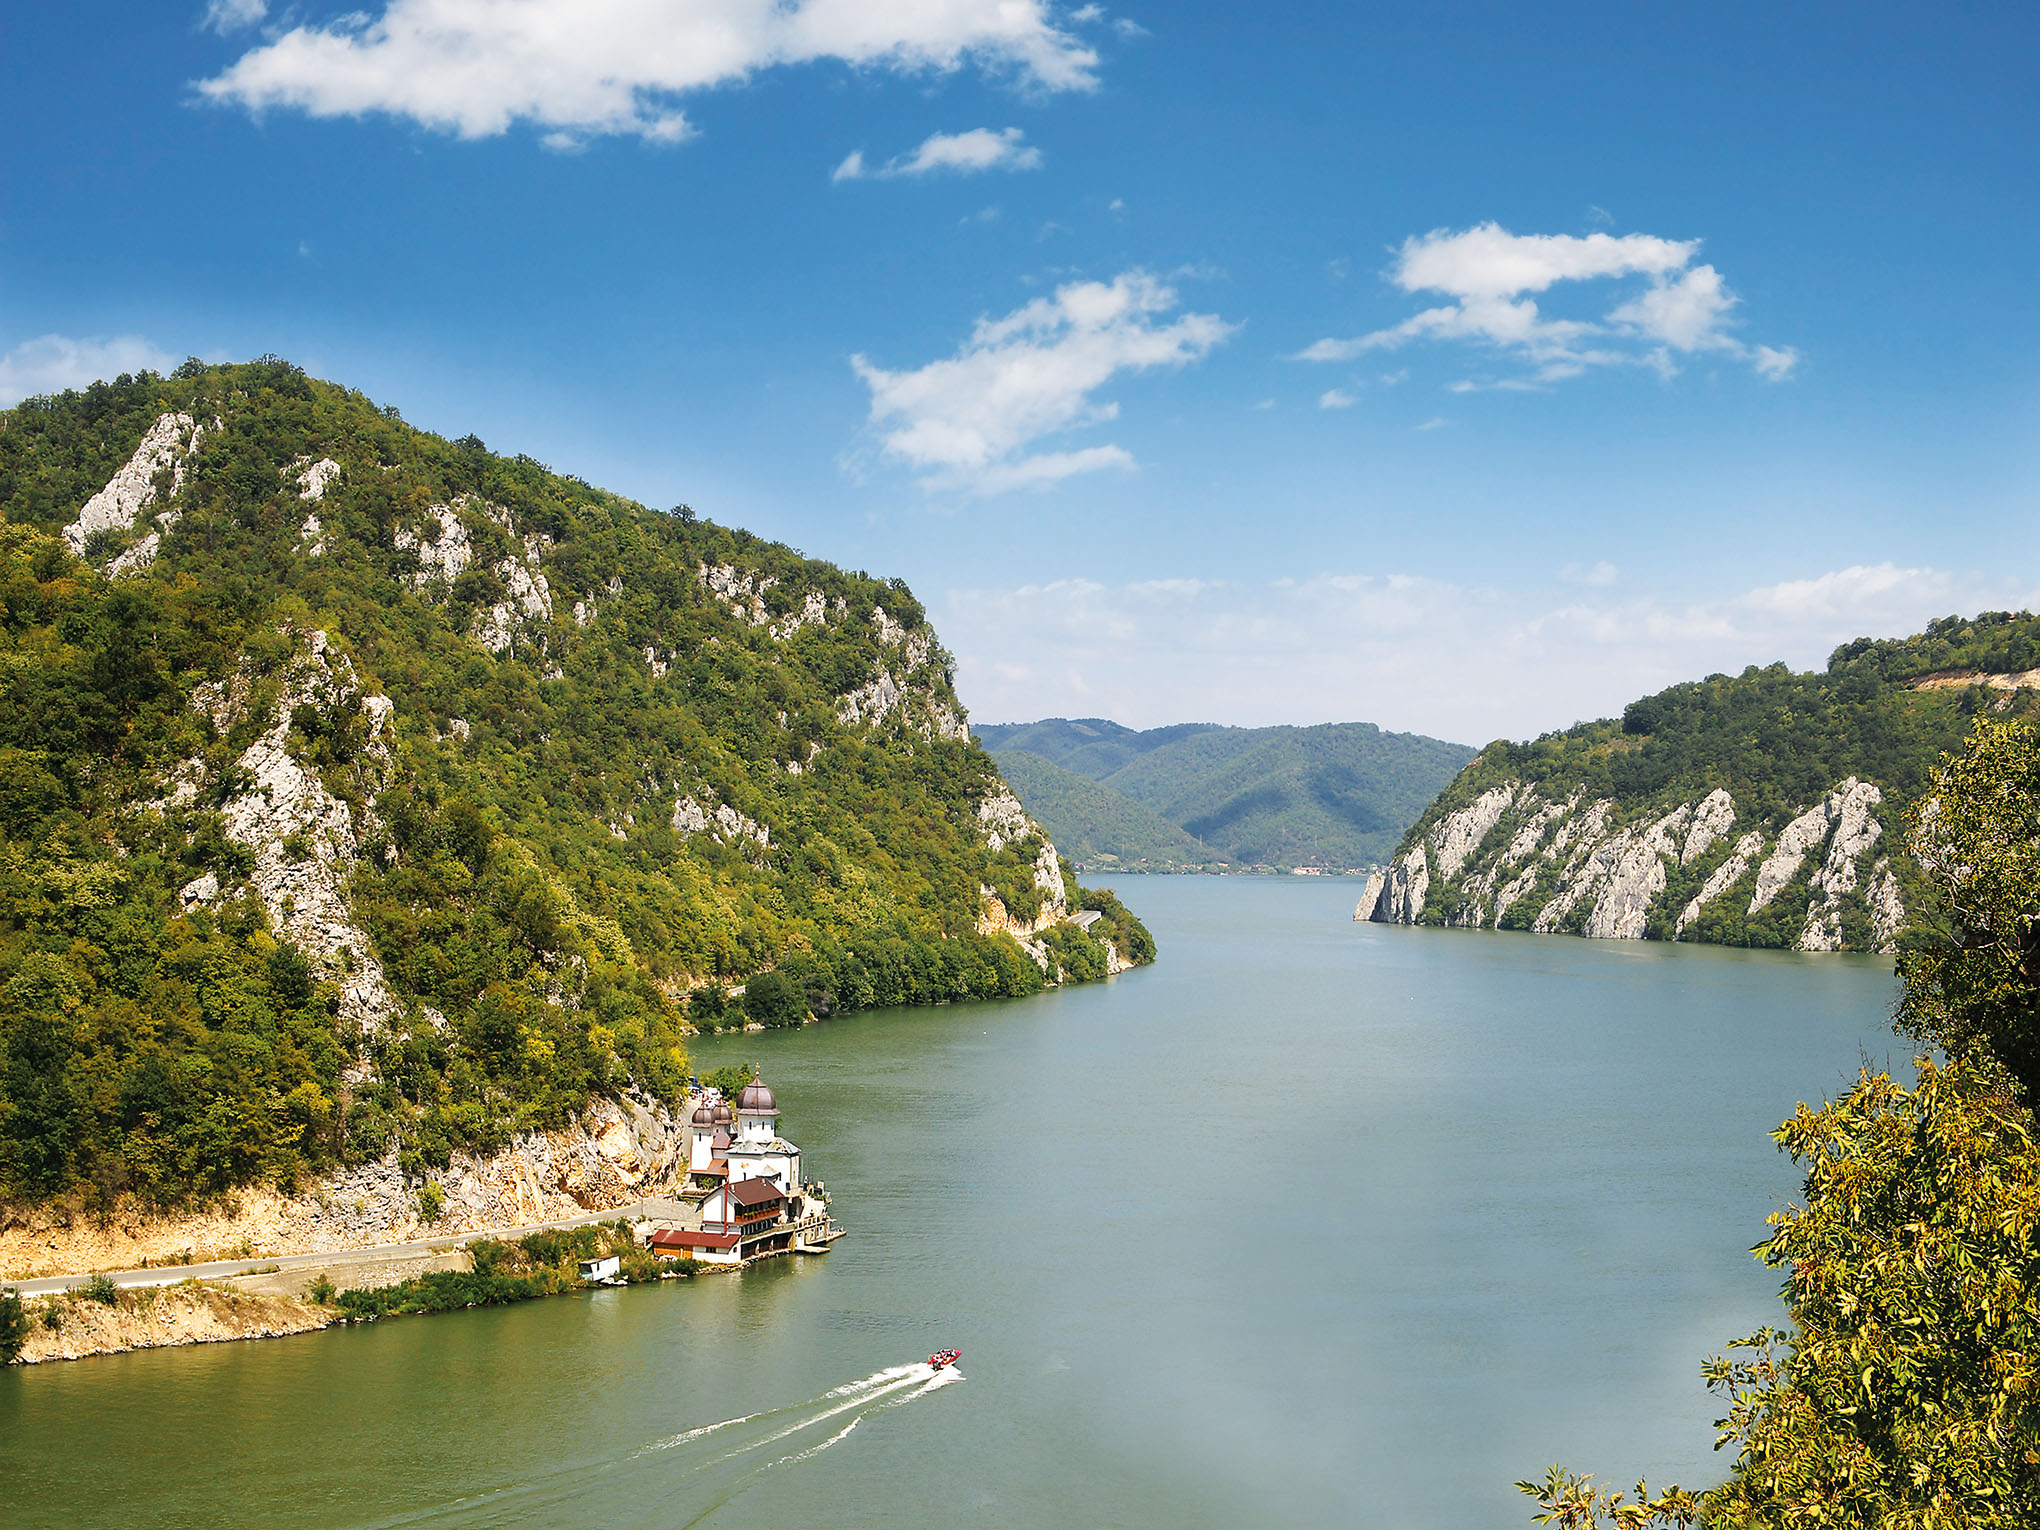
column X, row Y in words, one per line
column 943, row 1357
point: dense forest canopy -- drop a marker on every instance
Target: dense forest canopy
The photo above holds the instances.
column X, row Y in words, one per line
column 624, row 755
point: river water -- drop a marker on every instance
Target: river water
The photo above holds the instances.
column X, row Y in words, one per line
column 1310, row 1224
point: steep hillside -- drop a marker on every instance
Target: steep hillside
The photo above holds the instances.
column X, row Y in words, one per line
column 1094, row 826
column 1339, row 794
column 1758, row 809
column 372, row 799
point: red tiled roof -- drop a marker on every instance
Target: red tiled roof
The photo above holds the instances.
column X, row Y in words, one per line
column 755, row 1192
column 675, row 1237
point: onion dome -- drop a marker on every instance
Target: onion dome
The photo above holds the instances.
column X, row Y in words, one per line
column 756, row 1098
column 721, row 1114
column 704, row 1114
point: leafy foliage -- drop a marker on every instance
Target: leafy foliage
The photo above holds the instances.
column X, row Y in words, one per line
column 1973, row 984
column 13, row 1326
column 521, row 880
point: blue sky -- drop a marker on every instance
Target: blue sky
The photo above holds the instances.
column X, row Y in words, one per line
column 1468, row 369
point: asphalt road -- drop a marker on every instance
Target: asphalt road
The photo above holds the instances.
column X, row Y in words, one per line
column 170, row 1275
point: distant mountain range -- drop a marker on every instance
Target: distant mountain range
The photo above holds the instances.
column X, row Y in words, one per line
column 1200, row 796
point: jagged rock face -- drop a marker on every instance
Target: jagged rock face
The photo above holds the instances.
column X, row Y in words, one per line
column 1721, row 879
column 166, row 448
column 1855, row 831
column 306, row 841
column 1405, row 888
column 448, row 552
column 1003, row 821
column 1597, row 876
column 888, row 692
column 723, row 821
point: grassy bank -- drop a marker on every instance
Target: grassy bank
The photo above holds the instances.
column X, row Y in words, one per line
column 522, row 1270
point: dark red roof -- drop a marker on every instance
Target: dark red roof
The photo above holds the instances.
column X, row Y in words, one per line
column 756, row 1192
column 677, row 1237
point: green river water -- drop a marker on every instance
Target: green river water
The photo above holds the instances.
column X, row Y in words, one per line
column 1310, row 1224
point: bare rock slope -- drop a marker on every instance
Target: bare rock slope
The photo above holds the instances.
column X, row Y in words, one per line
column 1514, row 858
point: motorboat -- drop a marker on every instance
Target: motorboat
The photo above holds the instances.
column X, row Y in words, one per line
column 944, row 1357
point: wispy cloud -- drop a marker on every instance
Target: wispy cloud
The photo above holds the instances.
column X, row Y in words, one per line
column 1597, row 575
column 1337, row 398
column 967, row 153
column 583, row 68
column 52, row 363
column 225, row 16
column 1681, row 310
column 1456, row 660
column 968, row 422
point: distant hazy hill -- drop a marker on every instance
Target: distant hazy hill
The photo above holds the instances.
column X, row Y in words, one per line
column 1339, row 794
column 1095, row 826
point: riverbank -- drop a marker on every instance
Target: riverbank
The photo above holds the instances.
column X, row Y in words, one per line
column 76, row 1327
column 617, row 1154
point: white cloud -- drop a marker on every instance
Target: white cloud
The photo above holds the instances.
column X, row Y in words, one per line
column 587, row 67
column 1596, row 576
column 1337, row 398
column 1457, row 661
column 225, row 16
column 967, row 422
column 1488, row 273
column 52, row 363
column 967, row 153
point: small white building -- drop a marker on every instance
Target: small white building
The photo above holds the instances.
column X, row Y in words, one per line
column 608, row 1267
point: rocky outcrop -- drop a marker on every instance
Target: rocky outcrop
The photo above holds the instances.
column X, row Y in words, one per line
column 445, row 550
column 153, row 1317
column 690, row 817
column 1720, row 880
column 1002, row 821
column 1854, row 832
column 166, row 448
column 1513, row 855
column 305, row 840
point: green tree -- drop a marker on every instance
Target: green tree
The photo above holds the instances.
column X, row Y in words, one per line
column 774, row 999
column 13, row 1326
column 1972, row 984
column 728, row 1081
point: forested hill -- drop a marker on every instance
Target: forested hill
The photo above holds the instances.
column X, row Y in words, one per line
column 1338, row 794
column 366, row 792
column 1759, row 809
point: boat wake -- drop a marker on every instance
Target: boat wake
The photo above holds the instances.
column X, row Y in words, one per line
column 701, row 1468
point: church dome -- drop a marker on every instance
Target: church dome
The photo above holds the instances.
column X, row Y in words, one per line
column 756, row 1097
column 704, row 1114
column 721, row 1115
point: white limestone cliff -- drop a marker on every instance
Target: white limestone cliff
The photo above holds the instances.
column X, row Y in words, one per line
column 1594, row 875
column 303, row 840
column 1854, row 832
column 166, row 447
